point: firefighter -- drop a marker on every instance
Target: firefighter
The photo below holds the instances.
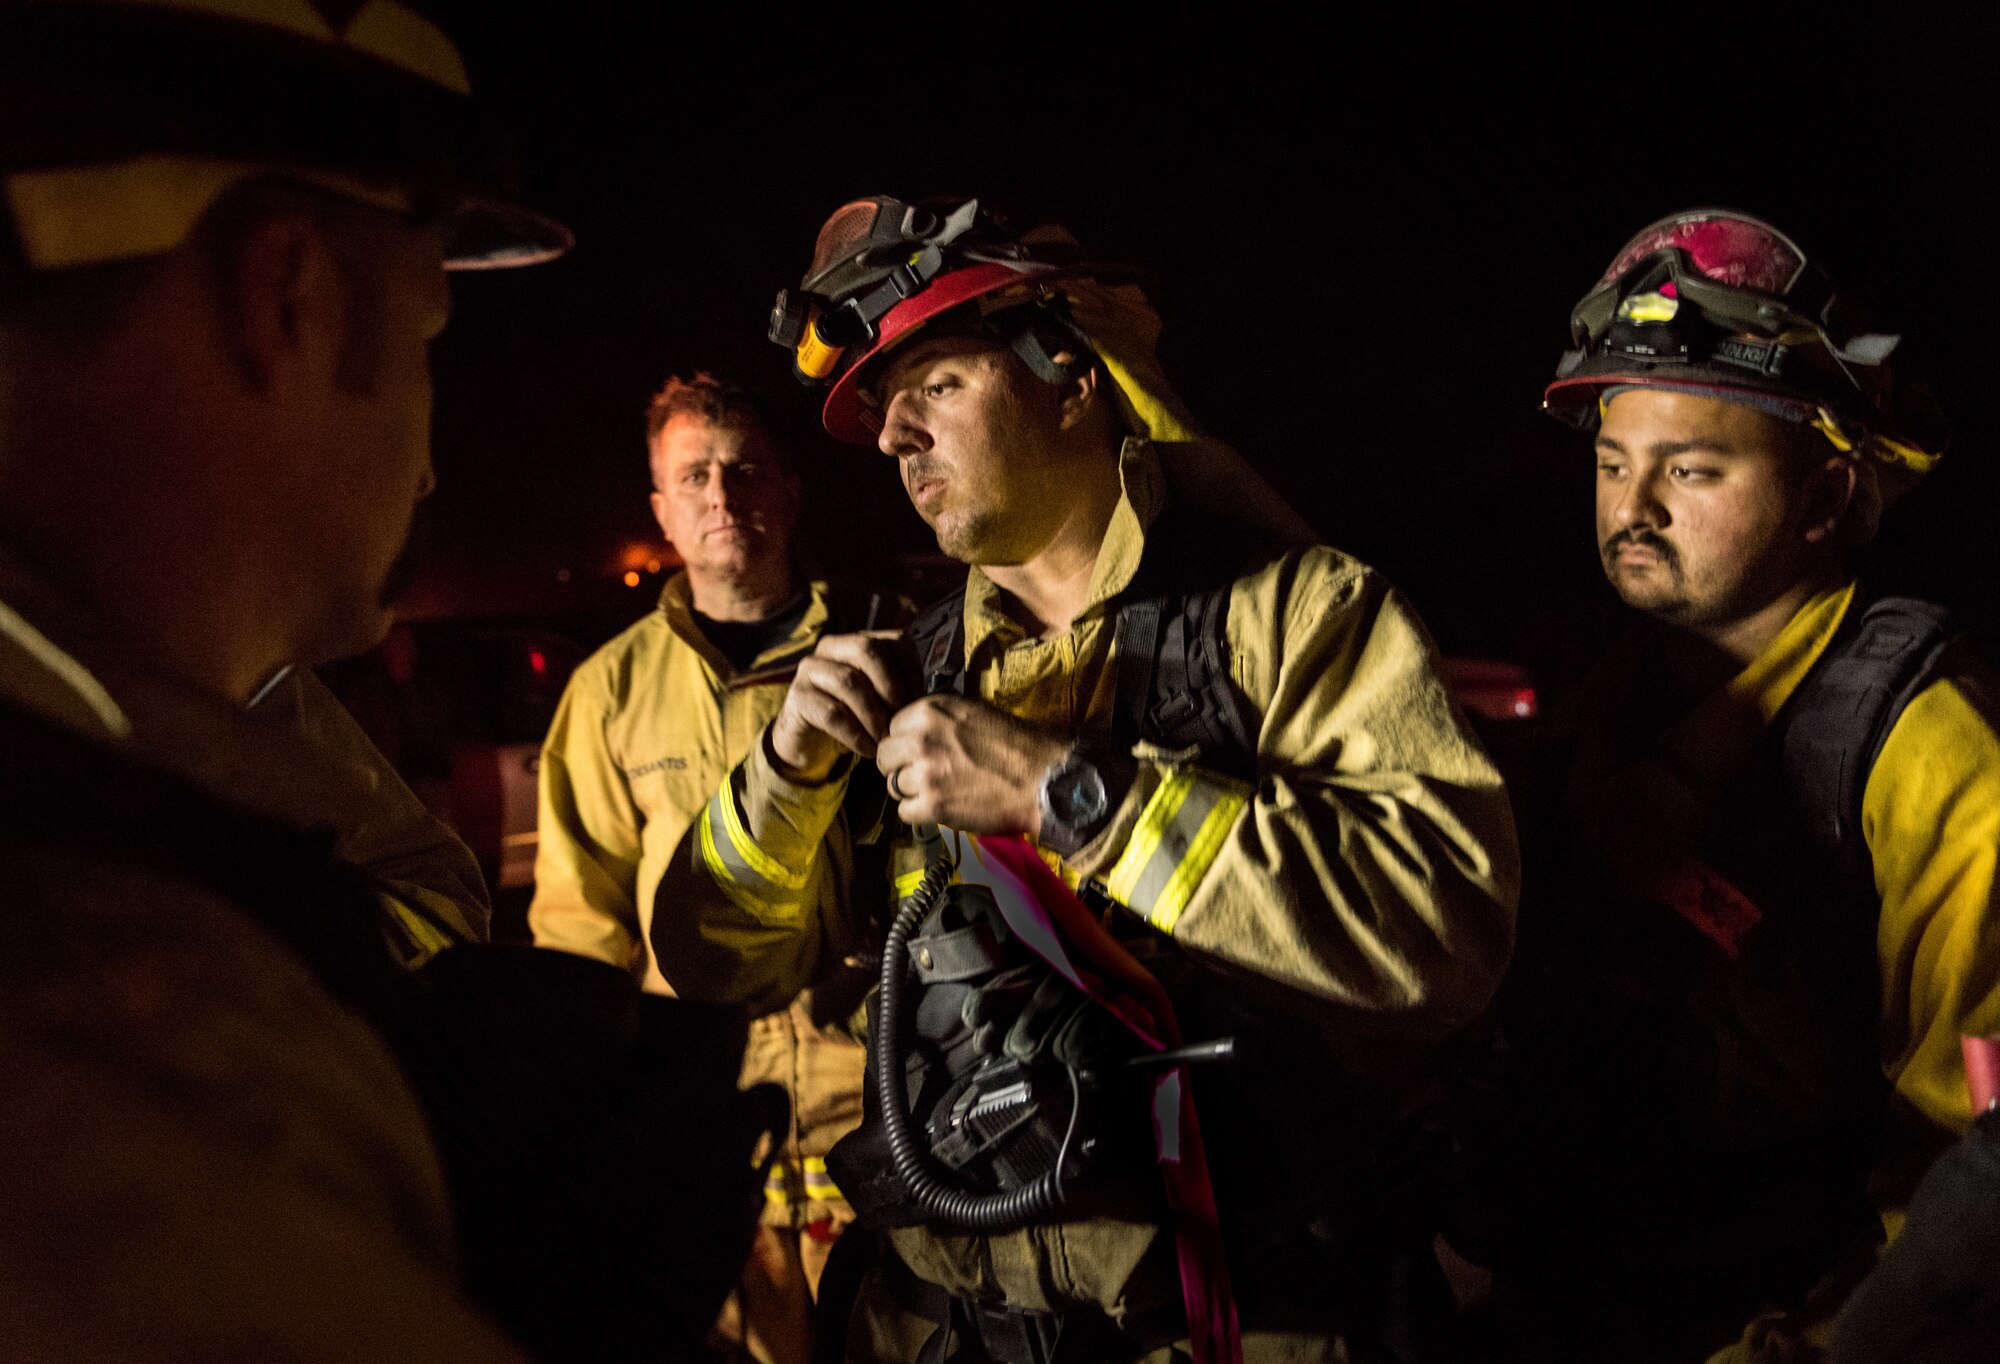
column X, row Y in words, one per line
column 1761, row 905
column 226, row 231
column 647, row 729
column 1327, row 854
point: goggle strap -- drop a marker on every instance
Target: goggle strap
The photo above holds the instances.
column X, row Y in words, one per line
column 903, row 282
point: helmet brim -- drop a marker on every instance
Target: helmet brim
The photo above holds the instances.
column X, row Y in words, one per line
column 1574, row 398
column 850, row 420
column 485, row 234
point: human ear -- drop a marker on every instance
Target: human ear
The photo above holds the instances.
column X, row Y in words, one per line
column 1829, row 493
column 281, row 298
column 1080, row 393
column 658, row 500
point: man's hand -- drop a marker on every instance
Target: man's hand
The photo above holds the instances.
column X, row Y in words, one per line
column 959, row 762
column 841, row 699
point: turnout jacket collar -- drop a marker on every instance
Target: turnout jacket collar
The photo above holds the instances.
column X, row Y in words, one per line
column 296, row 756
column 677, row 605
column 1143, row 495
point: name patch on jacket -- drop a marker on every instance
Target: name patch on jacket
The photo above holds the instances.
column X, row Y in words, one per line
column 1705, row 898
column 657, row 765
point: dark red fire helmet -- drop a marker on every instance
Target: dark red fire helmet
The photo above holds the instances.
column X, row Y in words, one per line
column 1718, row 301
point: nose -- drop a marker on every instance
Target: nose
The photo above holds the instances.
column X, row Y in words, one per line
column 902, row 434
column 1639, row 503
column 428, row 483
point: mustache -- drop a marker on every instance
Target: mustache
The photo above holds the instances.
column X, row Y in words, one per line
column 917, row 468
column 1644, row 539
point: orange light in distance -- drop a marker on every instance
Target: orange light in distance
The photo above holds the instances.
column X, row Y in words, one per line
column 632, row 577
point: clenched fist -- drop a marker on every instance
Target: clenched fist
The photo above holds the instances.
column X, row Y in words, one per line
column 963, row 763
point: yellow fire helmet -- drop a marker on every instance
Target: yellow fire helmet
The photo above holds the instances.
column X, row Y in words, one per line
column 121, row 121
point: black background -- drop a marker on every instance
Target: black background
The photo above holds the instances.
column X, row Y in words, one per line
column 1365, row 248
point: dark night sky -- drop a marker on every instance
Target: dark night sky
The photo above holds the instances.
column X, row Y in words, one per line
column 1365, row 256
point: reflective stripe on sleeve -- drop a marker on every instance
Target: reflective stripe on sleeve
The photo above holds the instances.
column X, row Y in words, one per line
column 734, row 858
column 778, row 1187
column 819, row 1184
column 807, row 1182
column 1172, row 847
column 422, row 938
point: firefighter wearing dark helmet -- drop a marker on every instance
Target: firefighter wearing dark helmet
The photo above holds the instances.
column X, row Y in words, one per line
column 1761, row 904
column 1231, row 740
column 224, row 227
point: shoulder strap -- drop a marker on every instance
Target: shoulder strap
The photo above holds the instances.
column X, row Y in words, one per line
column 1171, row 640
column 938, row 633
column 1837, row 721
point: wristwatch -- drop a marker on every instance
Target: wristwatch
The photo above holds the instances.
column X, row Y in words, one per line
column 1074, row 803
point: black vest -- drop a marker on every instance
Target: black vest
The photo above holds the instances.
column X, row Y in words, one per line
column 1701, row 1097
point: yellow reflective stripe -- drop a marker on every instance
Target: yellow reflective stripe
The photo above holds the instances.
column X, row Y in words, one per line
column 738, row 865
column 745, row 847
column 776, row 1193
column 1123, row 879
column 907, row 883
column 425, row 938
column 808, row 1182
column 725, row 876
column 819, row 1184
column 1179, row 834
column 1200, row 856
column 716, row 866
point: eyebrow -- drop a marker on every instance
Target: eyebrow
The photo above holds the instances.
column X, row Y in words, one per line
column 1667, row 449
column 923, row 353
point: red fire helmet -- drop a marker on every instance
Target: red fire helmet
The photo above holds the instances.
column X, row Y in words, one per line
column 882, row 270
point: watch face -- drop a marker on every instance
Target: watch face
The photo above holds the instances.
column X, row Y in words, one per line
column 1076, row 795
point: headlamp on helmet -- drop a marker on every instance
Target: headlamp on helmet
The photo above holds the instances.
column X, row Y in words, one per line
column 871, row 255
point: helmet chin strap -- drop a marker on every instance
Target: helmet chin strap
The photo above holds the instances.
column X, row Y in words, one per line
column 1034, row 349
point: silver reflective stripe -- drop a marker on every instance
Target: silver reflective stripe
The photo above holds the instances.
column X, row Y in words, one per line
column 1150, row 889
column 717, row 845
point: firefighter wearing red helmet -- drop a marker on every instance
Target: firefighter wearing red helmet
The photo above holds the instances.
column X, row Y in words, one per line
column 1230, row 740
column 1761, row 898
